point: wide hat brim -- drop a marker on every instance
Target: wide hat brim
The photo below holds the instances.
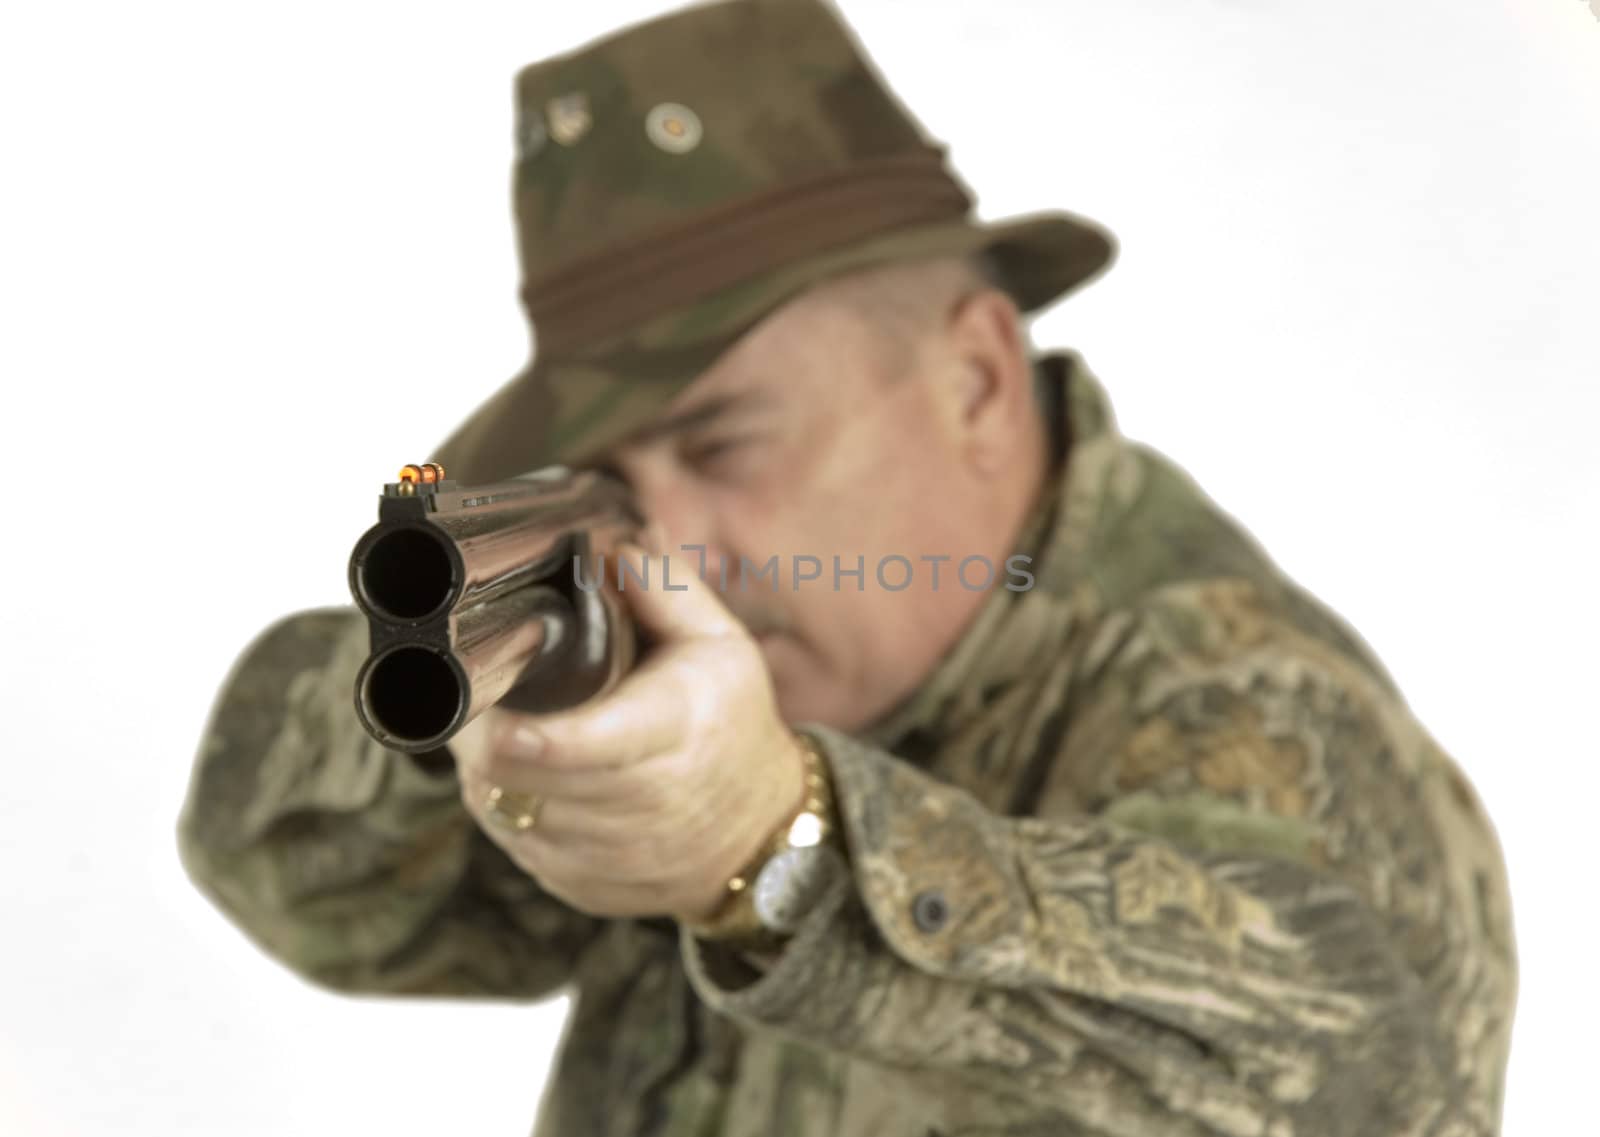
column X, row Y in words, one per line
column 569, row 410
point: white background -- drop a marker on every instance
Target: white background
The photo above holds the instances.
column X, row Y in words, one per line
column 254, row 257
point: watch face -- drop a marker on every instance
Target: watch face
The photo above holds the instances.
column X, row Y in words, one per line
column 792, row 882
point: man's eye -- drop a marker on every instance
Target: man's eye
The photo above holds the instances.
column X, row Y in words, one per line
column 711, row 451
column 606, row 469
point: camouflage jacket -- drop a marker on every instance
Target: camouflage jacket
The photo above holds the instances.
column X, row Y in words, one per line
column 1158, row 849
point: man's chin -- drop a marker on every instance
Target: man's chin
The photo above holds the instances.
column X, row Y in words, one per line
column 802, row 693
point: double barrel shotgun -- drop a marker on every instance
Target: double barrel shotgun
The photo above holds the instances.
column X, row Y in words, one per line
column 485, row 594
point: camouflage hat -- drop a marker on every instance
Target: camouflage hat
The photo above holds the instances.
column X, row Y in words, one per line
column 677, row 181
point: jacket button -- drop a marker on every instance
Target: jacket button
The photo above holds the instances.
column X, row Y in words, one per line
column 929, row 910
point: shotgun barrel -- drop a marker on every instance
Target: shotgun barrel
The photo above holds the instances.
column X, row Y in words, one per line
column 475, row 595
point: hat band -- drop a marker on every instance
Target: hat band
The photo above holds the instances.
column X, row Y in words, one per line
column 622, row 286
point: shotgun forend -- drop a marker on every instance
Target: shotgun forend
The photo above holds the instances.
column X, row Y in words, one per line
column 473, row 596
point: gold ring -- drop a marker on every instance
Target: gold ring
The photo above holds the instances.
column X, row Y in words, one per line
column 516, row 811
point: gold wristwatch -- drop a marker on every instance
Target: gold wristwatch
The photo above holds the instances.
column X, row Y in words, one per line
column 768, row 900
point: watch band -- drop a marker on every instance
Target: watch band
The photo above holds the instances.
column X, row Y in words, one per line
column 737, row 919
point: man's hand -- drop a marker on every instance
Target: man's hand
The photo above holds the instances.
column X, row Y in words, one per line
column 655, row 794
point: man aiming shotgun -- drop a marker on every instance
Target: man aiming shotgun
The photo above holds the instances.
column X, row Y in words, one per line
column 1153, row 846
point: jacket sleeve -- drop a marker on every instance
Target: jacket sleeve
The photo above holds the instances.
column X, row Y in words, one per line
column 354, row 865
column 1248, row 898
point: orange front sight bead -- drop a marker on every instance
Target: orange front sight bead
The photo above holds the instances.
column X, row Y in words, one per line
column 428, row 472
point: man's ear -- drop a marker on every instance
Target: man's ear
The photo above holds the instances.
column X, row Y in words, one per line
column 995, row 385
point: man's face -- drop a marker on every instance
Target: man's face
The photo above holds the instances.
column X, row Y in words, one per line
column 802, row 441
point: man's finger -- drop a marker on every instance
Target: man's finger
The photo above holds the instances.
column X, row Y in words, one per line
column 642, row 717
column 497, row 763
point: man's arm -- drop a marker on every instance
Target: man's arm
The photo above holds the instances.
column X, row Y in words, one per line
column 355, row 865
column 1252, row 899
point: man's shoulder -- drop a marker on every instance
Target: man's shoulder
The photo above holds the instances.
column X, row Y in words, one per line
column 1210, row 691
column 1136, row 534
column 1150, row 544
